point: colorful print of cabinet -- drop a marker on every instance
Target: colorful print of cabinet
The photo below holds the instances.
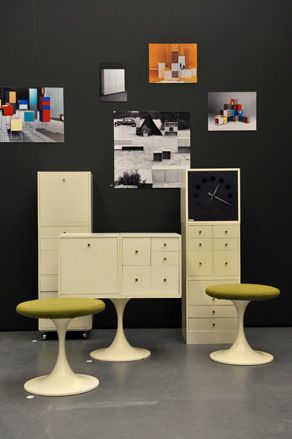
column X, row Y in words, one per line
column 210, row 254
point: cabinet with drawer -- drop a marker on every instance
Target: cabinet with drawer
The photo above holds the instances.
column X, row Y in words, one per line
column 64, row 206
column 120, row 265
column 211, row 256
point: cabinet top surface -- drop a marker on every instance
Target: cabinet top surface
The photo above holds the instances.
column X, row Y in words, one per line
column 63, row 172
column 123, row 235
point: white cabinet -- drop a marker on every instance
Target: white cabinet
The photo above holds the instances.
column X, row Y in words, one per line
column 211, row 255
column 113, row 81
column 64, row 206
column 120, row 265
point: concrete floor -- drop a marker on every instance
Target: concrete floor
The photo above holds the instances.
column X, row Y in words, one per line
column 178, row 393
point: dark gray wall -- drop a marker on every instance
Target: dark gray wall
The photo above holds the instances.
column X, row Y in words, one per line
column 241, row 47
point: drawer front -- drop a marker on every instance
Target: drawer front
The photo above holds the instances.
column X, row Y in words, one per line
column 48, row 262
column 212, row 324
column 89, row 266
column 226, row 263
column 48, row 283
column 221, row 231
column 164, row 281
column 196, row 292
column 64, row 197
column 212, row 311
column 197, row 244
column 165, row 244
column 136, row 281
column 199, row 231
column 199, row 263
column 228, row 244
column 54, row 232
column 136, row 251
column 164, row 258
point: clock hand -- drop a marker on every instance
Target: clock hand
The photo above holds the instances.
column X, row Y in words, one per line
column 223, row 201
column 212, row 195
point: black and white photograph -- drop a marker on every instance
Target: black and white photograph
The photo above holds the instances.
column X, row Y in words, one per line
column 232, row 111
column 112, row 82
column 151, row 148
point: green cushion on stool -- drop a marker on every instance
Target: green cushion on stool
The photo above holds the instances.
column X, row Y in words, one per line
column 242, row 291
column 60, row 308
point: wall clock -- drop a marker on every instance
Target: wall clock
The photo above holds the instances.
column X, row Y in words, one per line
column 213, row 194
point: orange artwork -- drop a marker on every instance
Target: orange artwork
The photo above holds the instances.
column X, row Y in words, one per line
column 173, row 63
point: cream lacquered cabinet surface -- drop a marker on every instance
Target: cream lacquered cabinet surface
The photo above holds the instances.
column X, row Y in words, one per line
column 120, row 267
column 64, row 206
column 211, row 255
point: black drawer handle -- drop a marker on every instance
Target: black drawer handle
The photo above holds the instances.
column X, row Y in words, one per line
column 136, row 252
column 226, row 245
column 165, row 259
column 213, row 324
column 200, row 231
column 200, row 245
column 165, row 244
column 136, row 280
column 226, row 231
column 226, row 263
column 164, row 280
column 200, row 263
column 88, row 245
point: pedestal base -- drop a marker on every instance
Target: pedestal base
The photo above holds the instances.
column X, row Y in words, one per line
column 241, row 359
column 115, row 354
column 73, row 385
column 120, row 349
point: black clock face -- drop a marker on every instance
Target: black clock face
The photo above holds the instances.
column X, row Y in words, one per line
column 213, row 195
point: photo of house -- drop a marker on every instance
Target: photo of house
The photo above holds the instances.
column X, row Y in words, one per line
column 173, row 63
column 151, row 148
column 31, row 115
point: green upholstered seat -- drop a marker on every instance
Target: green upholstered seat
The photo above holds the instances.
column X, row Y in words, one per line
column 242, row 291
column 60, row 308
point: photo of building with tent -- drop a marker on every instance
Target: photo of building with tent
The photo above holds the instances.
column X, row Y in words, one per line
column 151, row 148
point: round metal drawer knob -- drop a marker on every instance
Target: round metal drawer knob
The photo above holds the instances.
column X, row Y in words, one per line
column 164, row 280
column 200, row 231
column 164, row 245
column 213, row 324
column 226, row 263
column 226, row 231
column 88, row 245
column 136, row 280
column 213, row 312
column 226, row 245
column 136, row 252
column 200, row 245
column 165, row 259
column 200, row 263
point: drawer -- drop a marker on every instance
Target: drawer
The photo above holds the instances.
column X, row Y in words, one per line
column 212, row 311
column 196, row 292
column 136, row 251
column 199, row 231
column 226, row 263
column 199, row 263
column 136, row 281
column 164, row 281
column 48, row 262
column 230, row 244
column 54, row 232
column 165, row 244
column 48, row 283
column 221, row 231
column 212, row 324
column 197, row 244
column 165, row 258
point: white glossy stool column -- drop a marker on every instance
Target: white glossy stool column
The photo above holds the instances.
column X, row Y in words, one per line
column 62, row 380
column 120, row 349
column 240, row 353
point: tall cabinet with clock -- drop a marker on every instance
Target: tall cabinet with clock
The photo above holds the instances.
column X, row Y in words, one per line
column 210, row 226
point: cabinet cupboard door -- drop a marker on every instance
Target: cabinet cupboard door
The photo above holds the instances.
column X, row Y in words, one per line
column 89, row 266
column 136, row 251
column 136, row 281
column 164, row 281
column 64, row 197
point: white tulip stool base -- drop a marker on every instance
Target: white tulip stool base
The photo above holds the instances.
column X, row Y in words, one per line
column 62, row 381
column 120, row 349
column 241, row 353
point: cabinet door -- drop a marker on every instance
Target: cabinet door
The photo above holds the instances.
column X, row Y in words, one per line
column 226, row 263
column 136, row 281
column 136, row 251
column 89, row 266
column 199, row 263
column 165, row 258
column 165, row 244
column 196, row 292
column 164, row 281
column 64, row 197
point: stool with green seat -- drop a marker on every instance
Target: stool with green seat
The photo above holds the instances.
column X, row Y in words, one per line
column 240, row 353
column 62, row 380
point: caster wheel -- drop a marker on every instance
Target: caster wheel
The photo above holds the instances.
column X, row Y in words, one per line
column 44, row 336
column 85, row 335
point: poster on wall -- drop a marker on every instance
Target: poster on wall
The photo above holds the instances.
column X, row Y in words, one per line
column 173, row 63
column 32, row 114
column 112, row 82
column 232, row 111
column 151, row 148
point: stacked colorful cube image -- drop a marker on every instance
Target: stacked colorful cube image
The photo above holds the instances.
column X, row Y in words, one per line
column 232, row 112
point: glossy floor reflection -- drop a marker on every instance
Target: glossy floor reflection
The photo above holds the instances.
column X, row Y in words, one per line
column 177, row 393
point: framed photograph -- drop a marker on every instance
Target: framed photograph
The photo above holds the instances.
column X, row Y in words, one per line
column 32, row 114
column 173, row 63
column 232, row 111
column 151, row 148
column 112, row 82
